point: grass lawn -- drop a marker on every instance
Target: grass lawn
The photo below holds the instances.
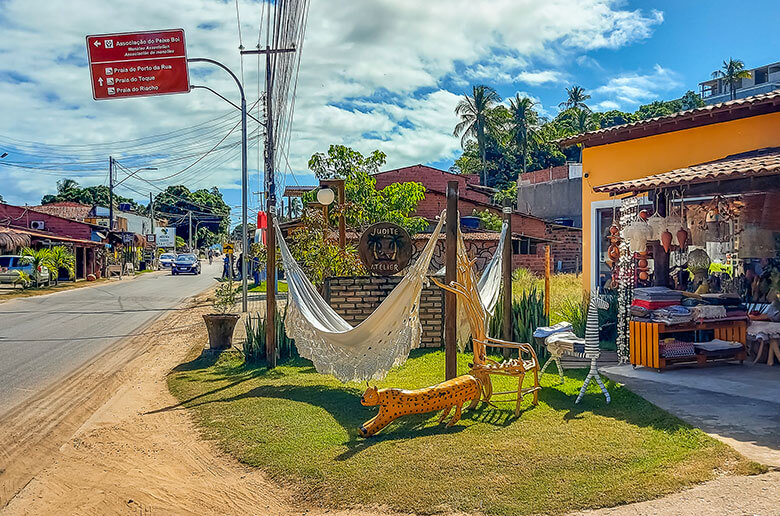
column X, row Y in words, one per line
column 281, row 285
column 301, row 427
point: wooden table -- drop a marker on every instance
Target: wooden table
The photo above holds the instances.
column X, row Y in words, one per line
column 646, row 337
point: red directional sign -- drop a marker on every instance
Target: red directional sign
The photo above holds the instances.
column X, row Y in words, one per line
column 138, row 64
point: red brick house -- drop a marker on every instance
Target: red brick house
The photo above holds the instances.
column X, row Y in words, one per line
column 46, row 229
column 528, row 231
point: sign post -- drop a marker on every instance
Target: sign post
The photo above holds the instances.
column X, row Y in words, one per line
column 137, row 64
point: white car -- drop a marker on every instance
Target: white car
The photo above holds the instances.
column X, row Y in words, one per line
column 166, row 260
column 12, row 265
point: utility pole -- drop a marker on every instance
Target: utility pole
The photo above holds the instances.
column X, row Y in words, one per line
column 151, row 219
column 189, row 231
column 110, row 193
column 270, row 282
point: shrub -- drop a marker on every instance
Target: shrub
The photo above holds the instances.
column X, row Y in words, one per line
column 527, row 315
column 225, row 297
column 254, row 344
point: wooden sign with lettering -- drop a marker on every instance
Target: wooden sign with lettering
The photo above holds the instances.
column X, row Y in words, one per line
column 385, row 248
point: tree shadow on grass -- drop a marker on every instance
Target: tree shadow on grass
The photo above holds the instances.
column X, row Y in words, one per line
column 625, row 405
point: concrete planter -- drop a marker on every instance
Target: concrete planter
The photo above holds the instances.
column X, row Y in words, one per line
column 220, row 328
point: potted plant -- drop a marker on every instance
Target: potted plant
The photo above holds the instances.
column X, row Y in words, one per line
column 220, row 325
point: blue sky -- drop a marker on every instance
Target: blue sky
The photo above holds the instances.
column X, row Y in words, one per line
column 383, row 74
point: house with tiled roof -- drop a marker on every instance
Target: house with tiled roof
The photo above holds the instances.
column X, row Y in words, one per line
column 731, row 148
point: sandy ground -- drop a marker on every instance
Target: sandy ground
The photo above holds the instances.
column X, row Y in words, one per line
column 109, row 440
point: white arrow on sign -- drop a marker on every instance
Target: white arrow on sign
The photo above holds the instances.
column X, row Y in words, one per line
column 100, row 81
column 96, row 43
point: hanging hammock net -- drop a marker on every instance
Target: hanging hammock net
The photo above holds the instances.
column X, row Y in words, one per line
column 384, row 339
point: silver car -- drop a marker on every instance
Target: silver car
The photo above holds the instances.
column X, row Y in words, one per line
column 166, row 260
column 11, row 265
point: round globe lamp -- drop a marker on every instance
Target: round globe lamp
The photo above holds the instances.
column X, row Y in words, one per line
column 325, row 196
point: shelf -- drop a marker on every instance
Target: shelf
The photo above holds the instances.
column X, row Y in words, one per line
column 696, row 326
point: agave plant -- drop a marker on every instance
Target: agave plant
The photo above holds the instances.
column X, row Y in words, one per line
column 527, row 315
column 254, row 344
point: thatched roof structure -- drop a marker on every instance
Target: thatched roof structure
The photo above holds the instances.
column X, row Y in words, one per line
column 11, row 240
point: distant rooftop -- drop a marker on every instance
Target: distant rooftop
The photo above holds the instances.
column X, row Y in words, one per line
column 763, row 80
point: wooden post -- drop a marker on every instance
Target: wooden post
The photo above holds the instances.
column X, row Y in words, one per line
column 451, row 274
column 507, row 278
column 342, row 221
column 547, row 280
column 270, row 288
column 660, row 256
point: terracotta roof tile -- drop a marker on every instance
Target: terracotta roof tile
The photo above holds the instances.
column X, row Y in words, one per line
column 761, row 162
column 730, row 110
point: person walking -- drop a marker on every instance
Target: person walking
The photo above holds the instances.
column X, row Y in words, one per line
column 211, row 256
column 227, row 269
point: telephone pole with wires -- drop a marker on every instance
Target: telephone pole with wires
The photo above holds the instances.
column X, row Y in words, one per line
column 270, row 281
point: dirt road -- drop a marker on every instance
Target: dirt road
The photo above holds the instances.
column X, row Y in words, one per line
column 110, row 440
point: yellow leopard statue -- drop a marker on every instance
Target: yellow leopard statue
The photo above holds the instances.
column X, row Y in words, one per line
column 394, row 403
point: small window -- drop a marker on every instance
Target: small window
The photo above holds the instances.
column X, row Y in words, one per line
column 760, row 75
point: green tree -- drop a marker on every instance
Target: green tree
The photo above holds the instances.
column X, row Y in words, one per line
column 488, row 219
column 180, row 243
column 208, row 208
column 364, row 203
column 69, row 190
column 319, row 256
column 691, row 100
column 579, row 121
column 613, row 117
column 732, row 72
column 473, row 113
column 523, row 126
column 575, row 98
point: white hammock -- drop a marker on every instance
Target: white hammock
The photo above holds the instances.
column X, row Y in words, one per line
column 373, row 347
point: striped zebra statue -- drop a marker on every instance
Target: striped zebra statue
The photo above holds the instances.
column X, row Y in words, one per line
column 592, row 343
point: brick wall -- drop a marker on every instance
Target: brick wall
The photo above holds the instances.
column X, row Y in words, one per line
column 433, row 179
column 565, row 248
column 21, row 217
column 545, row 174
column 355, row 298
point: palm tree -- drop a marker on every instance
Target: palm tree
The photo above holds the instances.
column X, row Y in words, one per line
column 37, row 258
column 732, row 72
column 580, row 122
column 62, row 258
column 524, row 125
column 63, row 185
column 473, row 113
column 576, row 98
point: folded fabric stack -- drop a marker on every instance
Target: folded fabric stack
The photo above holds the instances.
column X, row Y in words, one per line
column 736, row 313
column 546, row 331
column 564, row 342
column 708, row 312
column 718, row 347
column 671, row 315
column 640, row 313
column 673, row 348
column 654, row 298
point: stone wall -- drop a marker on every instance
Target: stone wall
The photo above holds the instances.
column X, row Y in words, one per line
column 354, row 298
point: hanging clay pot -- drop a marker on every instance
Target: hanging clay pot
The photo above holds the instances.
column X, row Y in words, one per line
column 682, row 238
column 666, row 240
column 642, row 263
column 643, row 276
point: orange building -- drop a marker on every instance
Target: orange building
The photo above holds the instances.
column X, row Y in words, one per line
column 663, row 145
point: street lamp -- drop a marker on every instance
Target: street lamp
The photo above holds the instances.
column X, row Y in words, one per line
column 326, row 196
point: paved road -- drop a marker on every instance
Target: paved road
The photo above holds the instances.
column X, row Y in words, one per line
column 44, row 338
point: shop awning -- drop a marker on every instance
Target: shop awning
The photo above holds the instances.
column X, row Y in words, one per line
column 40, row 235
column 11, row 239
column 298, row 191
column 757, row 163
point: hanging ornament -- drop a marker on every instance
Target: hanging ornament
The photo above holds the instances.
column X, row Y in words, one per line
column 666, row 240
column 682, row 238
column 638, row 233
column 657, row 224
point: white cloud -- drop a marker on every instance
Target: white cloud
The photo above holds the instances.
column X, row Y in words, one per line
column 607, row 105
column 369, row 67
column 636, row 88
column 540, row 77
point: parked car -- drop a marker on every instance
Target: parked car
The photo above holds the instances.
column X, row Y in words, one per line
column 166, row 260
column 11, row 265
column 186, row 263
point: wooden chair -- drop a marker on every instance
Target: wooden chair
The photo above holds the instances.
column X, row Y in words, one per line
column 483, row 367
